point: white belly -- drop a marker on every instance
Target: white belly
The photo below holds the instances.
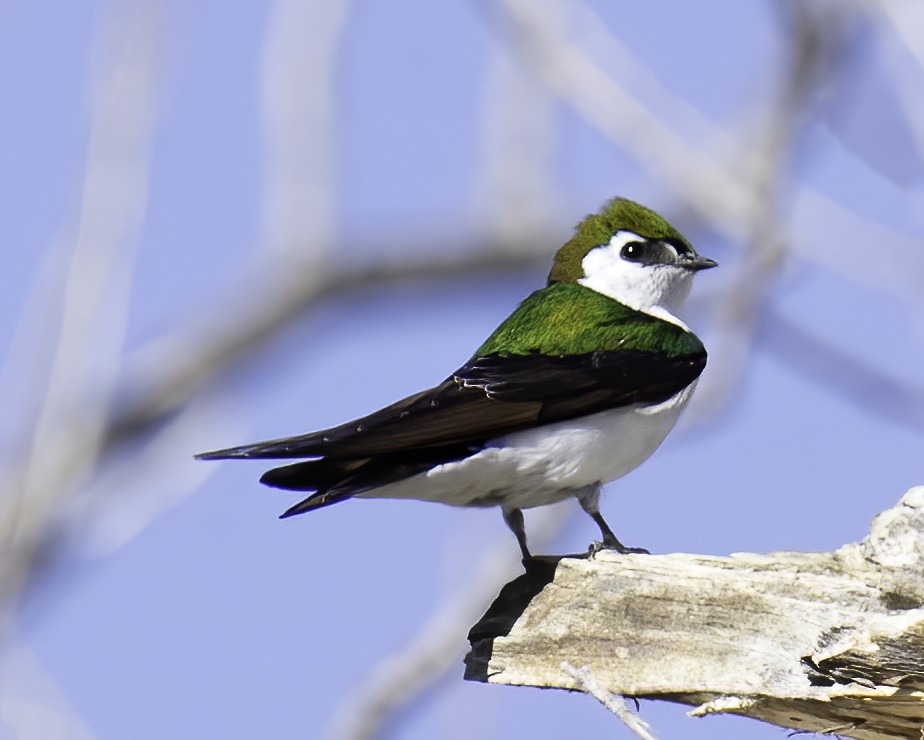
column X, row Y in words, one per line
column 549, row 463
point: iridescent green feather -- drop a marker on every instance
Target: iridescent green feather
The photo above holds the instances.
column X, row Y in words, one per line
column 569, row 319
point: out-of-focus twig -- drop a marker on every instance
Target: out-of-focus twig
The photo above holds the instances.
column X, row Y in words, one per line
column 166, row 373
column 837, row 371
column 721, row 196
column 814, row 45
column 299, row 84
column 271, row 295
column 744, row 204
column 906, row 21
column 68, row 434
column 298, row 88
column 536, row 31
column 520, row 133
column 32, row 705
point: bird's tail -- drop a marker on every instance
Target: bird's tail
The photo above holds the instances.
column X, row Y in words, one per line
column 329, row 479
column 335, row 479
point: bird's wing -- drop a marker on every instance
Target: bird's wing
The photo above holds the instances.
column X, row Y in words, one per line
column 493, row 395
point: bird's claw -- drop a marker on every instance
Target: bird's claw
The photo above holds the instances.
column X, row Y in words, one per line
column 615, row 545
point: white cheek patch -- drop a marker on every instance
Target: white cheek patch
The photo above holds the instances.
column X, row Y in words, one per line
column 653, row 289
column 607, row 272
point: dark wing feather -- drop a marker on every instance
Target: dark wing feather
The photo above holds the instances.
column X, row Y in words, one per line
column 491, row 396
column 447, row 414
column 628, row 376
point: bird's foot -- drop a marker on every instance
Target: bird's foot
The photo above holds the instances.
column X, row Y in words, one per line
column 611, row 543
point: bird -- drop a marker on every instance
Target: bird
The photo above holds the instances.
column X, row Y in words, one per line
column 577, row 387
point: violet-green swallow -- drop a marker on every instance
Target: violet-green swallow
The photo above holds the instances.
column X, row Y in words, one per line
column 576, row 388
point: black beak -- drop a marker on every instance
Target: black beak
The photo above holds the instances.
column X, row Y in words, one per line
column 696, row 263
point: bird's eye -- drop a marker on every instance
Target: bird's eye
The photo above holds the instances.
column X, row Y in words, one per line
column 633, row 252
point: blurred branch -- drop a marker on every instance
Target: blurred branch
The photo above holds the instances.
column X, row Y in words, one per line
column 520, row 135
column 272, row 295
column 299, row 85
column 535, row 31
column 846, row 375
column 906, row 21
column 724, row 198
column 69, row 432
column 814, row 47
column 168, row 372
column 31, row 704
column 163, row 376
column 746, row 205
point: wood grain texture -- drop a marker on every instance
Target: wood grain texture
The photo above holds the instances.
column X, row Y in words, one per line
column 824, row 642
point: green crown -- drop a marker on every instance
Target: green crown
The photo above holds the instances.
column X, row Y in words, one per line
column 619, row 214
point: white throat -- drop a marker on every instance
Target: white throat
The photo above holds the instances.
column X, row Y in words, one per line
column 659, row 290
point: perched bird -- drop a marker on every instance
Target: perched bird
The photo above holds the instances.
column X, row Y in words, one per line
column 576, row 388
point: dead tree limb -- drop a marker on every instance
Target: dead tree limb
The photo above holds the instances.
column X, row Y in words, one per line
column 822, row 642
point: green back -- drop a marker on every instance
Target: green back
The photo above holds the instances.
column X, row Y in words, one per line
column 570, row 319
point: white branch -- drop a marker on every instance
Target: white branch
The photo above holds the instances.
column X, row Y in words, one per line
column 586, row 682
column 822, row 642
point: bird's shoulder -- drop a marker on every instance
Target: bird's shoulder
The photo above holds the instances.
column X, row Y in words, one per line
column 570, row 319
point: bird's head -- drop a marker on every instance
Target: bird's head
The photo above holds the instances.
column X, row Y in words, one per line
column 630, row 253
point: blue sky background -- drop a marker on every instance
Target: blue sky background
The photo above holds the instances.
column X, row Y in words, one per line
column 215, row 619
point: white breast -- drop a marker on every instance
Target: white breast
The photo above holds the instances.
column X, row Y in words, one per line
column 540, row 466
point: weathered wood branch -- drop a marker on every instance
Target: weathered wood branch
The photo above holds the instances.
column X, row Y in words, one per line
column 823, row 642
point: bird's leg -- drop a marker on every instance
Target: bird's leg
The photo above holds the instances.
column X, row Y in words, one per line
column 589, row 501
column 514, row 520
